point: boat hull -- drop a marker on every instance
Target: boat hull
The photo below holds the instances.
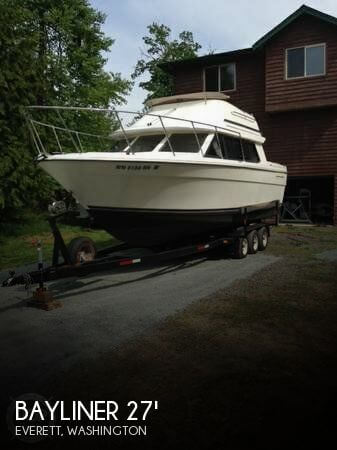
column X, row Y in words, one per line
column 157, row 227
column 148, row 203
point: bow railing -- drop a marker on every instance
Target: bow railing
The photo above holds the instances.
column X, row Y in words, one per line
column 60, row 137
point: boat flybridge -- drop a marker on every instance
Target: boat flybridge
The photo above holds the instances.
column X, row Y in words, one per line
column 191, row 164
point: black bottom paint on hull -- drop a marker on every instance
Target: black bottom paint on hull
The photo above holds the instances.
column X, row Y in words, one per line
column 147, row 228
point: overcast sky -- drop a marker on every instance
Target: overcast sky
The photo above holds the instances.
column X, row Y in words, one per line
column 218, row 25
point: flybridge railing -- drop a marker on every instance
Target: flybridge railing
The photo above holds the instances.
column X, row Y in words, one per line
column 113, row 119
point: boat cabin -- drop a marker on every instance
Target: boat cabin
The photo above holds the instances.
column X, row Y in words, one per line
column 218, row 146
column 177, row 125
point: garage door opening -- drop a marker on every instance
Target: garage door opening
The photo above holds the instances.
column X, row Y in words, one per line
column 309, row 200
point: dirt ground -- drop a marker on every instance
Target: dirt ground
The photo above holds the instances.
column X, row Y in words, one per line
column 253, row 366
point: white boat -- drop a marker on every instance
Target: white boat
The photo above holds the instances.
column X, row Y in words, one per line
column 191, row 165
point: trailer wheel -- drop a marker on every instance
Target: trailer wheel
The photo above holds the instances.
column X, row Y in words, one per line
column 81, row 249
column 240, row 248
column 263, row 236
column 253, row 242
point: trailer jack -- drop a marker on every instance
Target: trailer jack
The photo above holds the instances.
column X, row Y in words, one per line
column 42, row 298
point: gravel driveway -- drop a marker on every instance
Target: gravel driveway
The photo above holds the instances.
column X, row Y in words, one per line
column 101, row 311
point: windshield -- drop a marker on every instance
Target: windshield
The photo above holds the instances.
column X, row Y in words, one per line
column 186, row 143
column 146, row 143
column 118, row 146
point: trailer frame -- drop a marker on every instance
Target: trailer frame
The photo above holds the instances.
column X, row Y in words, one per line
column 107, row 258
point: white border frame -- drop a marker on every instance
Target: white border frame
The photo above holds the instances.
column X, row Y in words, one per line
column 219, row 76
column 322, row 44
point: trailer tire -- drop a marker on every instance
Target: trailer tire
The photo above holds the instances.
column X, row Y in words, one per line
column 263, row 236
column 240, row 248
column 81, row 249
column 253, row 242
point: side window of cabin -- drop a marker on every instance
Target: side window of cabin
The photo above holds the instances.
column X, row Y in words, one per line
column 232, row 148
column 215, row 149
column 249, row 152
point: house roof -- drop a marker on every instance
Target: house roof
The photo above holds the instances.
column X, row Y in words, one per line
column 220, row 57
column 214, row 58
column 288, row 20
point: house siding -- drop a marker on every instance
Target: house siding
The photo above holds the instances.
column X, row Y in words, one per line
column 335, row 197
column 298, row 134
column 304, row 141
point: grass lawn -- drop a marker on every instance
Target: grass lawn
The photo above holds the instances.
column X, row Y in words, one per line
column 18, row 240
column 254, row 366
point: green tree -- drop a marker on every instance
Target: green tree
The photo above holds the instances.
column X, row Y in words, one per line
column 70, row 54
column 161, row 48
column 51, row 54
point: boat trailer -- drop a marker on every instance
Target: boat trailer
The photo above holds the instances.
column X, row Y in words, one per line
column 81, row 258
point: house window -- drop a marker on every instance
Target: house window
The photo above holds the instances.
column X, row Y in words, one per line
column 305, row 61
column 220, row 78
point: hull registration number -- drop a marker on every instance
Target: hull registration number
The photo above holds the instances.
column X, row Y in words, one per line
column 137, row 167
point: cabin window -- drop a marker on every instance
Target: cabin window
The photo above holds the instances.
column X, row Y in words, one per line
column 220, row 78
column 118, row 146
column 215, row 149
column 225, row 147
column 305, row 61
column 249, row 152
column 146, row 143
column 232, row 148
column 184, row 143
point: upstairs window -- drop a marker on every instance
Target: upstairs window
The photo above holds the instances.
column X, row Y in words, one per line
column 220, row 78
column 305, row 61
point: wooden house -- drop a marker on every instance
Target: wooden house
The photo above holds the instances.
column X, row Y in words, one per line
column 288, row 80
